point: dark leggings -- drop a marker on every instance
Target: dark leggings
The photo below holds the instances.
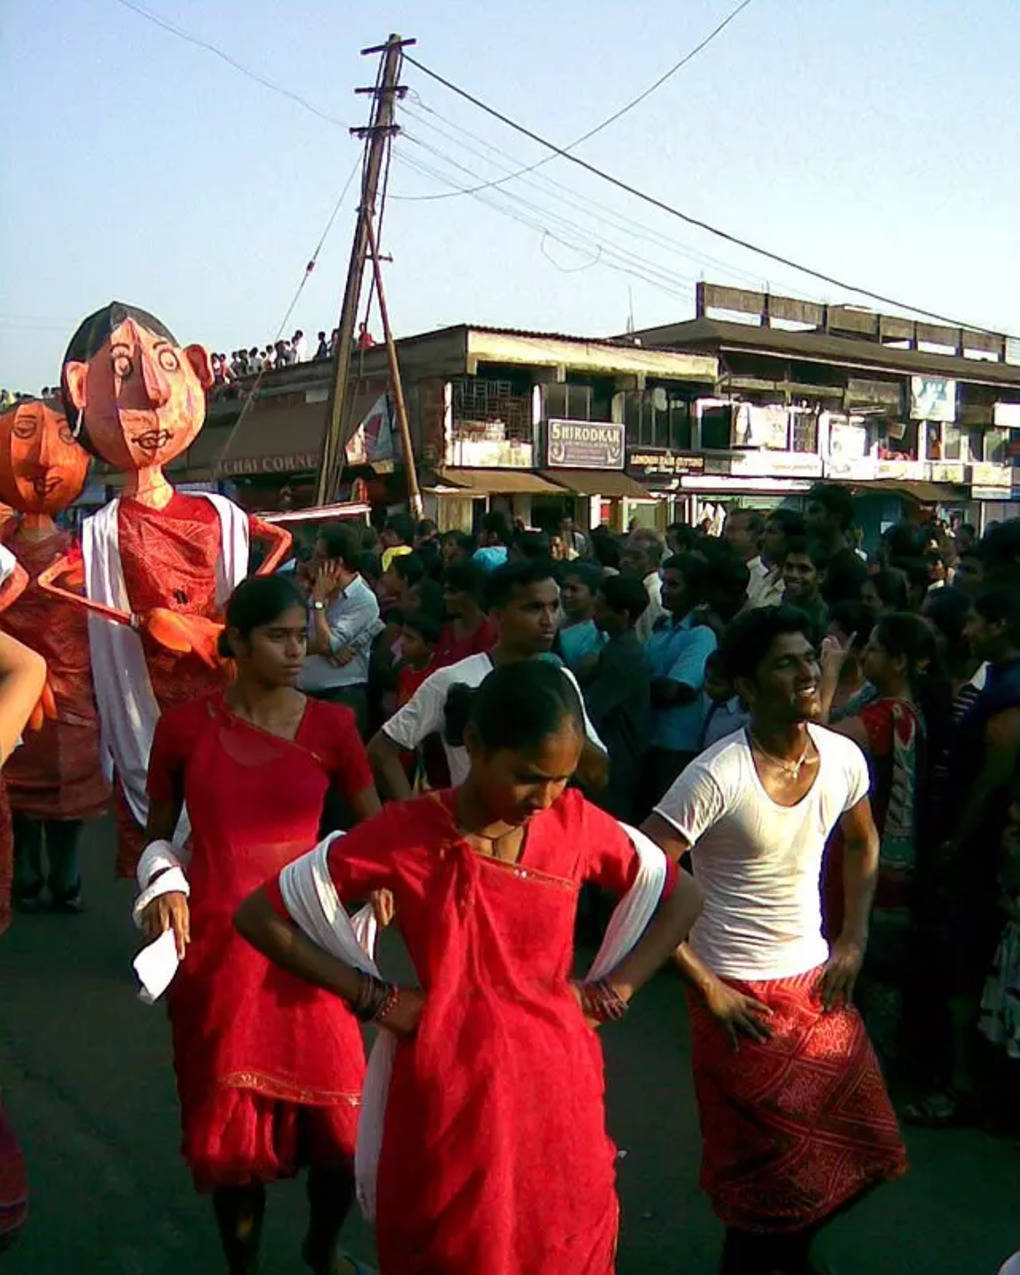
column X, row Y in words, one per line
column 60, row 837
column 240, row 1211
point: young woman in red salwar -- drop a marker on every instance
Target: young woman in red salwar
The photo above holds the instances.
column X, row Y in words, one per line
column 494, row 1155
column 269, row 1071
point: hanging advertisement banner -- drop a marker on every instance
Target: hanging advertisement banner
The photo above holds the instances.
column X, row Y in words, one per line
column 932, row 398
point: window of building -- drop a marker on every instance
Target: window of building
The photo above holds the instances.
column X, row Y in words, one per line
column 576, row 400
column 898, row 440
column 804, row 432
column 657, row 417
column 996, row 446
column 494, row 408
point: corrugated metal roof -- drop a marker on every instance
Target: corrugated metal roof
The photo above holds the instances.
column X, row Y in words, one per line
column 523, row 332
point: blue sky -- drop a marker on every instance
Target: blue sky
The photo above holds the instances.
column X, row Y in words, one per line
column 877, row 142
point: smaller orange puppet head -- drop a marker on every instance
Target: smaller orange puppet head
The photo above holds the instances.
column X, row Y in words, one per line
column 42, row 468
column 133, row 395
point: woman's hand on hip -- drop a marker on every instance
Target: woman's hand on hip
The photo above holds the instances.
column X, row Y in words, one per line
column 168, row 912
column 403, row 1018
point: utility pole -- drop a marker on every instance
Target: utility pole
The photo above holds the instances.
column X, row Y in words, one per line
column 377, row 136
column 413, row 490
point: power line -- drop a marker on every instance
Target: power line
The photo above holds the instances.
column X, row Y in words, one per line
column 686, row 217
column 238, row 66
column 634, row 266
column 570, row 227
column 253, row 390
column 570, row 195
column 610, row 119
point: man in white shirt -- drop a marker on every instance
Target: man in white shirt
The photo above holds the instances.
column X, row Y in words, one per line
column 343, row 620
column 523, row 603
column 743, row 532
column 642, row 556
column 794, row 1115
column 300, row 347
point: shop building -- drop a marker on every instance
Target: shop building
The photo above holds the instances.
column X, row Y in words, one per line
column 908, row 414
column 654, row 426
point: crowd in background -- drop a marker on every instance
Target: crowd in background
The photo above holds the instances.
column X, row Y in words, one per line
column 279, row 354
column 919, row 663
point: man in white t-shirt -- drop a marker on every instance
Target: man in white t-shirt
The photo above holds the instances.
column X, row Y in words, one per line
column 794, row 1115
column 523, row 603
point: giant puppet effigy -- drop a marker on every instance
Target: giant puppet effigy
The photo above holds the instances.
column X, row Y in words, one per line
column 157, row 564
column 54, row 779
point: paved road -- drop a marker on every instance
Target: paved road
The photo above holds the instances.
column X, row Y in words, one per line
column 88, row 1082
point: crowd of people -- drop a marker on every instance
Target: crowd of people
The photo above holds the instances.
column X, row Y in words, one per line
column 919, row 650
column 278, row 354
column 830, row 742
column 790, row 769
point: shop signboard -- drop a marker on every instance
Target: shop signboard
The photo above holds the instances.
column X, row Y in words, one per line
column 755, row 426
column 947, row 471
column 767, row 464
column 848, row 439
column 932, row 398
column 242, row 466
column 989, row 476
column 909, row 469
column 851, row 469
column 1006, row 415
column 490, row 453
column 584, row 445
column 864, row 393
column 661, row 462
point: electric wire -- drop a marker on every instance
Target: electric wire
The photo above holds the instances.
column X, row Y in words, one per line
column 226, row 57
column 568, row 226
column 687, row 217
column 584, row 203
column 611, row 119
column 253, row 388
column 630, row 266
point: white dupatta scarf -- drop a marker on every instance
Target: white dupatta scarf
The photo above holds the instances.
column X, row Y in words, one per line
column 7, row 563
column 128, row 710
column 315, row 907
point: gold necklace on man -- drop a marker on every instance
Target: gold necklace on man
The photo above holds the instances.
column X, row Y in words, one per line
column 790, row 768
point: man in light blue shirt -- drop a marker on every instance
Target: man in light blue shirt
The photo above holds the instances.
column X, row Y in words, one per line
column 677, row 650
column 343, row 621
column 497, row 533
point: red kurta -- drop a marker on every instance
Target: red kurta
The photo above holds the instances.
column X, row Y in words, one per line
column 169, row 559
column 495, row 1156
column 450, row 649
column 55, row 774
column 254, row 1047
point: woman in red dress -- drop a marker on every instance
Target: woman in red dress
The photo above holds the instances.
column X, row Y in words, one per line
column 494, row 1158
column 269, row 1070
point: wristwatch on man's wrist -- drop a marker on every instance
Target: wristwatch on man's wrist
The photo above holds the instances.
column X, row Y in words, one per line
column 318, row 605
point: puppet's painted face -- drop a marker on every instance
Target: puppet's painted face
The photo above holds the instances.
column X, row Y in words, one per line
column 42, row 468
column 143, row 397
